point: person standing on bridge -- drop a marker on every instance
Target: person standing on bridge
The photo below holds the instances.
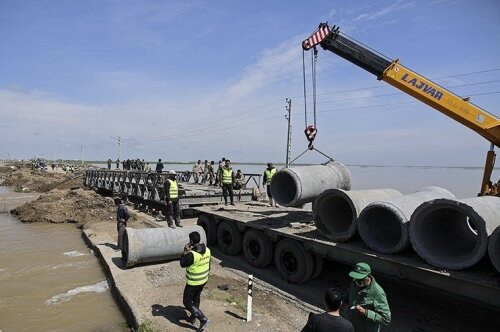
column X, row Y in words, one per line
column 159, row 166
column 211, row 173
column 172, row 199
column 331, row 319
column 226, row 177
column 368, row 306
column 196, row 260
column 122, row 216
column 109, row 163
column 197, row 171
column 268, row 175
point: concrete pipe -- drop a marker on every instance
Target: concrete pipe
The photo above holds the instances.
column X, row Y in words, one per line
column 296, row 186
column 453, row 234
column 383, row 225
column 494, row 248
column 336, row 211
column 156, row 244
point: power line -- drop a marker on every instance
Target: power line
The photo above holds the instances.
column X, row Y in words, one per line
column 203, row 128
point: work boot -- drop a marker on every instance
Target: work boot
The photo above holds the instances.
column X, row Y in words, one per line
column 203, row 324
column 170, row 223
column 203, row 320
column 191, row 319
column 178, row 224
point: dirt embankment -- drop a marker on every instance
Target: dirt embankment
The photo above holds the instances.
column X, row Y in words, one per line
column 65, row 199
column 83, row 207
column 25, row 179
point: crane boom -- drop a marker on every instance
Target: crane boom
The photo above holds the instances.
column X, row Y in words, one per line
column 408, row 81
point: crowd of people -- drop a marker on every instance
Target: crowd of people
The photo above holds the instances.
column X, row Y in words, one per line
column 130, row 165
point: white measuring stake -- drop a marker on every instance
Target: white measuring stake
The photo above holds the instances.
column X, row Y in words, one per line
column 249, row 298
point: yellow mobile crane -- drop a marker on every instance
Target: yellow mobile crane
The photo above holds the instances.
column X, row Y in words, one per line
column 392, row 72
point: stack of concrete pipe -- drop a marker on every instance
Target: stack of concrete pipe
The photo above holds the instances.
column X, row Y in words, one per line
column 151, row 245
column 446, row 232
column 383, row 225
column 296, row 186
column 336, row 211
column 453, row 234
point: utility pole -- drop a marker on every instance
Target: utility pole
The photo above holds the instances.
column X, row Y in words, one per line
column 119, row 148
column 82, row 153
column 289, row 136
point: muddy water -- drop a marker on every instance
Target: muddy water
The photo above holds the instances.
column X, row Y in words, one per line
column 50, row 280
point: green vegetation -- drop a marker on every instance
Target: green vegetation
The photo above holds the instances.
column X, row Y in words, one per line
column 146, row 326
column 22, row 190
column 224, row 296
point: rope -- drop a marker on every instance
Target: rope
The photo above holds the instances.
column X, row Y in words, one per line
column 304, row 78
column 311, row 147
column 314, row 58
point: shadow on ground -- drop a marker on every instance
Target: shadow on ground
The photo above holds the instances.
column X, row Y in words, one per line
column 173, row 313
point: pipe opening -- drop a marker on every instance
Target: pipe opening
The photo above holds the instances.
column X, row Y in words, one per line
column 336, row 214
column 284, row 188
column 448, row 235
column 380, row 229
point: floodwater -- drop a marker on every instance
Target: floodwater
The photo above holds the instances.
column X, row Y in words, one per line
column 50, row 280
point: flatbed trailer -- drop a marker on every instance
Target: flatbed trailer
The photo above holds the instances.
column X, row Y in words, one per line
column 288, row 236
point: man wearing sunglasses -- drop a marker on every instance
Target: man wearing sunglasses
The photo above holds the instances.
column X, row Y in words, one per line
column 368, row 306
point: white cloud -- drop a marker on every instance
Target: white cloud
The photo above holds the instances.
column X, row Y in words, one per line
column 379, row 13
column 271, row 66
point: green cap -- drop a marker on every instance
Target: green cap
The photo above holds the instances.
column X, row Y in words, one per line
column 361, row 271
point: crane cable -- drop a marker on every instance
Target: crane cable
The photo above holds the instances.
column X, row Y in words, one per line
column 311, row 130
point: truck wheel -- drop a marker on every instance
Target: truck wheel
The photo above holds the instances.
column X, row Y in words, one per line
column 228, row 238
column 318, row 266
column 209, row 225
column 294, row 263
column 257, row 248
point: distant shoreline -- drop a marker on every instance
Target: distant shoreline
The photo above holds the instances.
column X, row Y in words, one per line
column 3, row 162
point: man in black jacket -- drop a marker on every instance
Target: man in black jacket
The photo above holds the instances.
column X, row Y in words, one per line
column 122, row 216
column 331, row 319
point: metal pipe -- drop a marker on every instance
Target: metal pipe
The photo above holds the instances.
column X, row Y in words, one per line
column 383, row 225
column 336, row 211
column 494, row 248
column 453, row 234
column 150, row 245
column 296, row 186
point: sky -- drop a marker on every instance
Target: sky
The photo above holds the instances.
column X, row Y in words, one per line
column 193, row 79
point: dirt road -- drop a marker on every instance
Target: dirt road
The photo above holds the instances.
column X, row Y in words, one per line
column 154, row 293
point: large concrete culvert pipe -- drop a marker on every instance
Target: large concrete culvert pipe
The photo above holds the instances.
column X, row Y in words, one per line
column 453, row 234
column 494, row 248
column 156, row 244
column 336, row 211
column 296, row 186
column 383, row 225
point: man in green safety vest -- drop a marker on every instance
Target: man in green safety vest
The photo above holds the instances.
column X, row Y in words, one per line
column 196, row 260
column 171, row 189
column 268, row 175
column 226, row 177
